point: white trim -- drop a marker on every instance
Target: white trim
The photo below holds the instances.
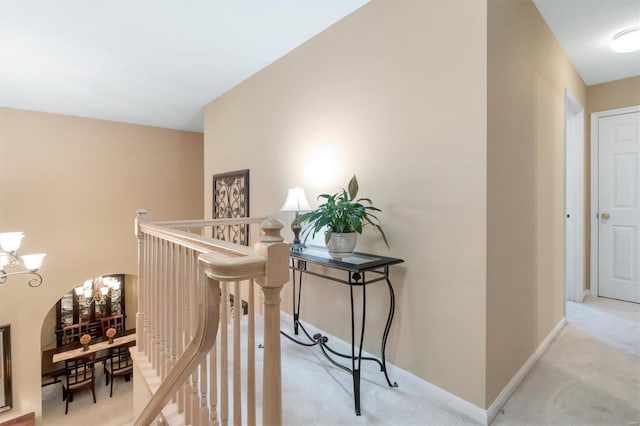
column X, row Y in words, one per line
column 515, row 381
column 593, row 213
column 574, row 145
column 446, row 398
column 586, row 294
column 434, row 392
column 454, row 402
column 595, row 116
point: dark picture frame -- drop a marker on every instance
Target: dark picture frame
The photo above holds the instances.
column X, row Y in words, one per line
column 231, row 200
column 5, row 365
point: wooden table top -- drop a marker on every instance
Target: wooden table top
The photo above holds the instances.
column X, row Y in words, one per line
column 53, row 369
column 79, row 352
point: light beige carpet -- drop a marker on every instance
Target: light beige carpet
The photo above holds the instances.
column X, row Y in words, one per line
column 82, row 411
column 590, row 375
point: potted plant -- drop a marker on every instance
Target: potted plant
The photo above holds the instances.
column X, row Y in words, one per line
column 344, row 217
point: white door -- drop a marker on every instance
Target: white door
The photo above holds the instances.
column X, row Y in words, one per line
column 618, row 211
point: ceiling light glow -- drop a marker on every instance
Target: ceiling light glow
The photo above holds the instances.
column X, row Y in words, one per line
column 627, row 40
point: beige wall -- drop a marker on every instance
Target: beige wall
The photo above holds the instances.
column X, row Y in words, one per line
column 613, row 95
column 527, row 76
column 394, row 93
column 73, row 185
column 603, row 97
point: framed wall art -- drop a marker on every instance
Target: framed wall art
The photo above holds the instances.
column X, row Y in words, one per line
column 231, row 200
column 6, row 400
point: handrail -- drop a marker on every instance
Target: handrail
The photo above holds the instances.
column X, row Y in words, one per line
column 211, row 222
column 201, row 243
column 218, row 262
column 217, row 268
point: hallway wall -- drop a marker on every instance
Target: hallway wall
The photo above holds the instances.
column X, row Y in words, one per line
column 385, row 95
column 527, row 75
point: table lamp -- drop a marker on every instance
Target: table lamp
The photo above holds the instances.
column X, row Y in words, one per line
column 296, row 202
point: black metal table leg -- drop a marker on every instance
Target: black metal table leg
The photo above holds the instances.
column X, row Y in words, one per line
column 296, row 304
column 385, row 335
column 293, row 283
column 356, row 361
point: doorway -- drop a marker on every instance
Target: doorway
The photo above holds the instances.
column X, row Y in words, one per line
column 574, row 199
column 615, row 195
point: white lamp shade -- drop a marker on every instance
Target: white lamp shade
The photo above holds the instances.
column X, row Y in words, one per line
column 296, row 201
column 626, row 41
column 10, row 241
column 33, row 261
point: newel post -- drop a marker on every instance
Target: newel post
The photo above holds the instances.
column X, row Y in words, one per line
column 276, row 253
column 141, row 217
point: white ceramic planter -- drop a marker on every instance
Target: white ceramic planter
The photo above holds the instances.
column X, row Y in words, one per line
column 342, row 245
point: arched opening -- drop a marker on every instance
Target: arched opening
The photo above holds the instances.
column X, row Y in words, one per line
column 88, row 306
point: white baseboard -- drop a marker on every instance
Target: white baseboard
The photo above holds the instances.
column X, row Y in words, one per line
column 435, row 393
column 503, row 397
column 444, row 397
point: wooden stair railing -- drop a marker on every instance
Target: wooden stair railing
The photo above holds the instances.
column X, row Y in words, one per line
column 184, row 282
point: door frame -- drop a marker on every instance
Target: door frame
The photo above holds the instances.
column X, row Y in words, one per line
column 595, row 150
column 574, row 145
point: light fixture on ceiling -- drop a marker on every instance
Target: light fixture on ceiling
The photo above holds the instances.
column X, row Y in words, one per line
column 98, row 289
column 627, row 40
column 9, row 245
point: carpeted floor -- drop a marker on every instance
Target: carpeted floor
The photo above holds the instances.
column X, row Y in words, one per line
column 590, row 375
column 82, row 411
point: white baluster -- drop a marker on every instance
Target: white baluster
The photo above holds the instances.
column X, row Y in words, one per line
column 145, row 295
column 213, row 385
column 204, row 410
column 237, row 367
column 224, row 354
column 141, row 217
column 153, row 291
column 162, row 320
column 251, row 359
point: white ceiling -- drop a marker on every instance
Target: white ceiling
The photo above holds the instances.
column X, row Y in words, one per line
column 159, row 62
column 585, row 29
column 152, row 62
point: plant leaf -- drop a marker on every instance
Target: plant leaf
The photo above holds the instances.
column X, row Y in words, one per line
column 353, row 187
column 368, row 200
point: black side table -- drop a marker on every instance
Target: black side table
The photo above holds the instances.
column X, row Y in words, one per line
column 361, row 270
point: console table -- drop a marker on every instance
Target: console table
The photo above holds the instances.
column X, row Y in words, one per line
column 360, row 270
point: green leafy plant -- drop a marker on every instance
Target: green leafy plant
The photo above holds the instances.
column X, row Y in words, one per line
column 342, row 213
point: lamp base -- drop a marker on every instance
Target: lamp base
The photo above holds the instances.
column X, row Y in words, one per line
column 297, row 245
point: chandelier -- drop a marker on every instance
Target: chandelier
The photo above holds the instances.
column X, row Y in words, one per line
column 9, row 245
column 98, row 289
